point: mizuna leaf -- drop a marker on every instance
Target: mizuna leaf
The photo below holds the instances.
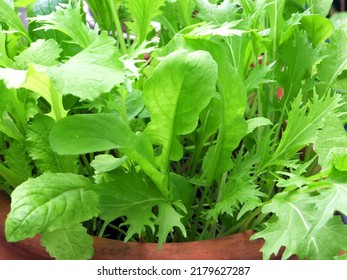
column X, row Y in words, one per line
column 40, row 150
column 335, row 61
column 73, row 243
column 127, row 194
column 331, row 142
column 143, row 11
column 180, row 80
column 304, row 122
column 10, row 18
column 291, row 226
column 95, row 70
column 51, row 208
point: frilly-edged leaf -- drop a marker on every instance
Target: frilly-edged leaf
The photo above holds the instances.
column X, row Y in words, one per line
column 290, row 227
column 95, row 70
column 128, row 194
column 304, row 121
column 68, row 19
column 211, row 29
column 40, row 150
column 258, row 76
column 73, row 243
column 49, row 203
column 331, row 141
column 180, row 80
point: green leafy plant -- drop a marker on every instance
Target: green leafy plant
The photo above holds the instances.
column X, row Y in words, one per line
column 235, row 123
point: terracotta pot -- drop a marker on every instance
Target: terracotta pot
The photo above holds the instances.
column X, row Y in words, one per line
column 233, row 247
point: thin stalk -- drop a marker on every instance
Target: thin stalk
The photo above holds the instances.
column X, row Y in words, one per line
column 118, row 26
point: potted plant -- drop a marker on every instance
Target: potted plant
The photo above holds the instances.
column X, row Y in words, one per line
column 234, row 124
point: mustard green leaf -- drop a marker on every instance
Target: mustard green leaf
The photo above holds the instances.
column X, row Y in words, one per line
column 95, row 70
column 51, row 208
column 180, row 80
column 40, row 150
column 41, row 52
column 73, row 243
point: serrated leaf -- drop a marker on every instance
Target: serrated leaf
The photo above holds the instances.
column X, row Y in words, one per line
column 210, row 29
column 11, row 19
column 291, row 226
column 143, row 11
column 223, row 12
column 331, row 141
column 127, row 194
column 335, row 60
column 49, row 202
column 73, row 243
column 95, row 70
column 67, row 18
column 258, row 76
column 169, row 93
column 40, row 150
column 41, row 52
column 303, row 123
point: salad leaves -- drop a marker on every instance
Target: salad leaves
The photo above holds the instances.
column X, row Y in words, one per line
column 228, row 116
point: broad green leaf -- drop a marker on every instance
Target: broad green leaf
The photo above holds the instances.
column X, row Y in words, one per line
column 143, row 11
column 39, row 148
column 232, row 126
column 73, row 243
column 219, row 13
column 105, row 163
column 180, row 80
column 257, row 122
column 40, row 52
column 331, row 142
column 67, row 18
column 291, row 226
column 128, row 194
column 12, row 20
column 80, row 134
column 321, row 7
column 335, row 61
column 51, row 208
column 318, row 28
column 304, row 122
column 95, row 70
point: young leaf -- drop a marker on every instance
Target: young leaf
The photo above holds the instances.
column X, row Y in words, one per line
column 11, row 19
column 105, row 163
column 143, row 12
column 219, row 13
column 73, row 243
column 40, row 150
column 257, row 122
column 95, row 70
column 180, row 80
column 53, row 207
